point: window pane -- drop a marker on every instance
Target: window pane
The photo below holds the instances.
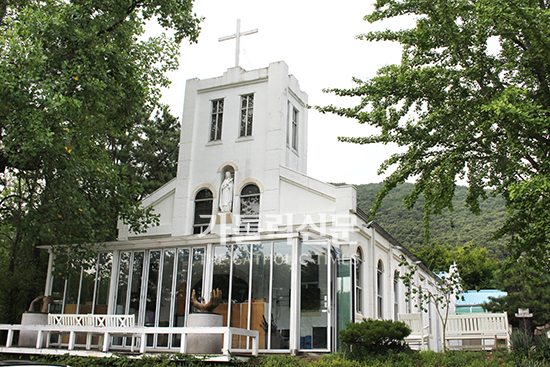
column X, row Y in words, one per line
column 280, row 322
column 343, row 296
column 87, row 287
column 239, row 291
column 314, row 297
column 71, row 295
column 222, row 263
column 122, row 290
column 260, row 290
column 152, row 287
column 166, row 295
column 197, row 271
column 135, row 290
column 103, row 283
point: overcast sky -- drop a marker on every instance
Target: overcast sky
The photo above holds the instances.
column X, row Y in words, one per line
column 317, row 41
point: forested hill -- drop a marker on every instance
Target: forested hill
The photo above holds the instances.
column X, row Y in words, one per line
column 454, row 228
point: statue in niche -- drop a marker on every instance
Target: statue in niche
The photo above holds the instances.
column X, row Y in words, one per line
column 226, row 193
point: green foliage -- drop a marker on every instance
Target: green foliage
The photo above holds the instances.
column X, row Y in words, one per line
column 162, row 360
column 75, row 77
column 373, row 336
column 457, row 228
column 527, row 288
column 475, row 267
column 390, row 359
column 470, row 100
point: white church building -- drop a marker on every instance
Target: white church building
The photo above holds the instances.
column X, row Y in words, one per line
column 294, row 257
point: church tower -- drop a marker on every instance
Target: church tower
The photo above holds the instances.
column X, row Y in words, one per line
column 243, row 126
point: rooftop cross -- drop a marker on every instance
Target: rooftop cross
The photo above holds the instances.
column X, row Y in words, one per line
column 237, row 37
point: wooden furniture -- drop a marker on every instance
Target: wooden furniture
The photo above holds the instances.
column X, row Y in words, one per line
column 472, row 331
column 420, row 335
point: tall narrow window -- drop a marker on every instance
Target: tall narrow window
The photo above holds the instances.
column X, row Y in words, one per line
column 250, row 208
column 359, row 281
column 203, row 211
column 217, row 118
column 294, row 128
column 380, row 289
column 247, row 108
column 395, row 295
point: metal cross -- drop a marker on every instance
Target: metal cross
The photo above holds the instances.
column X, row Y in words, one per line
column 237, row 37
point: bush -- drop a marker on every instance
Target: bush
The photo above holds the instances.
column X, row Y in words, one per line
column 374, row 337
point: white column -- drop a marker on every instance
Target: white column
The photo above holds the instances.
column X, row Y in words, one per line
column 294, row 342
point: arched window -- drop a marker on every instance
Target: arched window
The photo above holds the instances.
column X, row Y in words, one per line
column 359, row 280
column 379, row 288
column 250, row 208
column 395, row 295
column 203, row 211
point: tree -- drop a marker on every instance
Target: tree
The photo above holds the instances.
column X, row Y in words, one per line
column 148, row 153
column 74, row 77
column 526, row 288
column 474, row 265
column 469, row 100
column 447, row 290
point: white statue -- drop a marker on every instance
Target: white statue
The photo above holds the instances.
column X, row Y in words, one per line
column 226, row 193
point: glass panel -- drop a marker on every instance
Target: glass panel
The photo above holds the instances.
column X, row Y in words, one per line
column 152, row 291
column 103, row 283
column 166, row 295
column 314, row 297
column 213, row 128
column 197, row 271
column 122, row 289
column 261, row 267
column 87, row 289
column 239, row 291
column 249, row 123
column 135, row 291
column 280, row 301
column 123, row 277
column 181, row 293
column 58, row 290
column 152, row 284
column 203, row 211
column 71, row 295
column 243, row 123
column 222, row 263
column 344, row 296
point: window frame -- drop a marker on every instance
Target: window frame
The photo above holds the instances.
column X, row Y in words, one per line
column 202, row 226
column 358, row 270
column 246, row 115
column 294, row 128
column 380, row 290
column 249, row 222
column 216, row 118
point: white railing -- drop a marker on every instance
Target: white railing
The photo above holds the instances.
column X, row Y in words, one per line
column 61, row 324
column 92, row 320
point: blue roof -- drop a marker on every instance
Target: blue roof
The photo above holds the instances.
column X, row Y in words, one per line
column 473, row 297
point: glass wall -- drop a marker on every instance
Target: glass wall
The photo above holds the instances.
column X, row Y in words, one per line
column 256, row 278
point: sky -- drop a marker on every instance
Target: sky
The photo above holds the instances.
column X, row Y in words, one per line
column 317, row 41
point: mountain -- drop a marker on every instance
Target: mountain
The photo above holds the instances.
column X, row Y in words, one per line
column 455, row 228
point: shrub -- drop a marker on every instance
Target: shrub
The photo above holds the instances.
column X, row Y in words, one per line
column 374, row 336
